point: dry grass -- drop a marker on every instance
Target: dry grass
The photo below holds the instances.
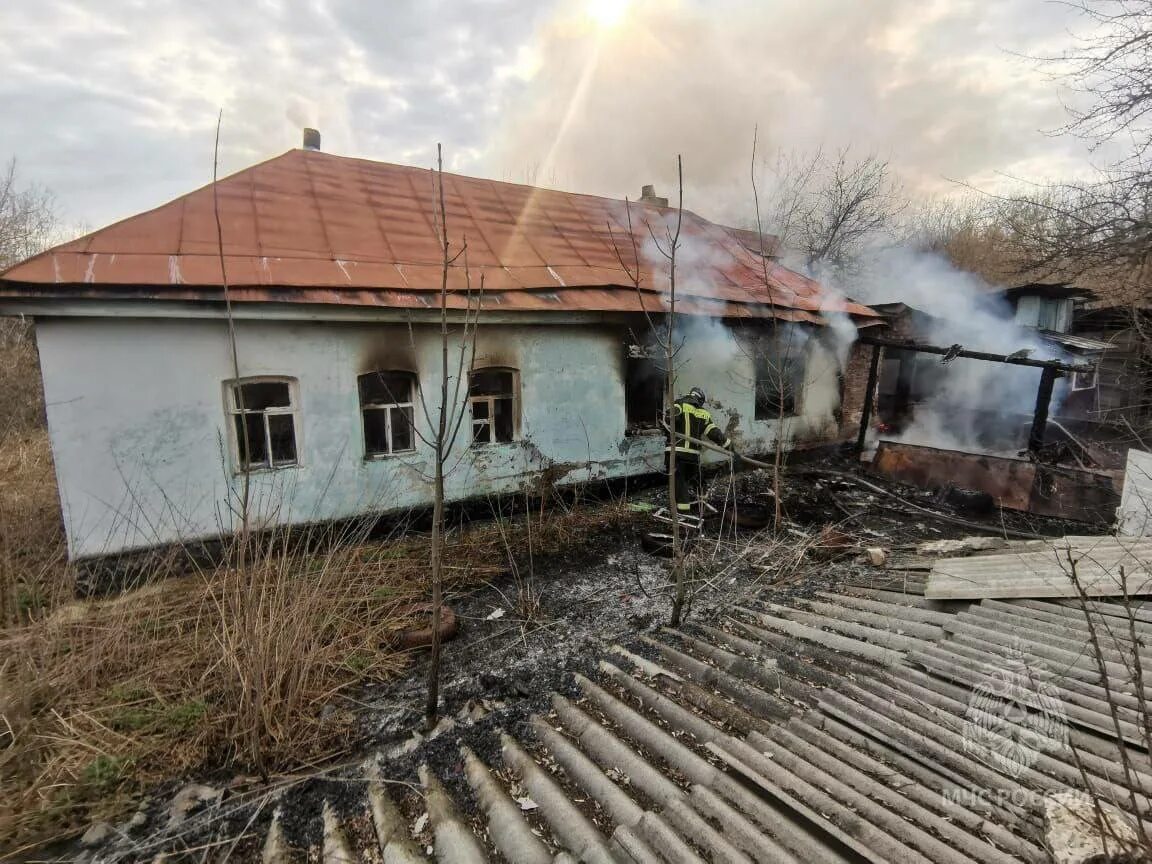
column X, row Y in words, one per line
column 239, row 669
column 33, row 559
column 32, row 554
column 21, row 396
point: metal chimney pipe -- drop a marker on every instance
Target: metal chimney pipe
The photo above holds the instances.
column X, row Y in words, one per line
column 311, row 139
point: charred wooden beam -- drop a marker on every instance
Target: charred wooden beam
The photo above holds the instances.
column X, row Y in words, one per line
column 869, row 396
column 1040, row 415
column 976, row 355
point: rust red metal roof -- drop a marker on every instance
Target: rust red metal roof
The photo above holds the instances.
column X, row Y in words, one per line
column 311, row 227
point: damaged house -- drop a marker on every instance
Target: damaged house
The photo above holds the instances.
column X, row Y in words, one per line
column 333, row 271
column 1003, row 401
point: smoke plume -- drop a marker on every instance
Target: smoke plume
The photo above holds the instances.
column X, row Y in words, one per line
column 974, row 404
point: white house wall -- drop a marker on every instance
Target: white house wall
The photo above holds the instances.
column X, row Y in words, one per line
column 141, row 441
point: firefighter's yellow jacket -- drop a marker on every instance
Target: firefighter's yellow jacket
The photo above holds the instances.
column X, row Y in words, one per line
column 688, row 420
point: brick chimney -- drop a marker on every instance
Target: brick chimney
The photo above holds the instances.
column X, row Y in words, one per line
column 648, row 196
column 311, row 139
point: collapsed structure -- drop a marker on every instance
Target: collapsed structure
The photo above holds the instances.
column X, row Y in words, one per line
column 332, row 268
column 1009, row 402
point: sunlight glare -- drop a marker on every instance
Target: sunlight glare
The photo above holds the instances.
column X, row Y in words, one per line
column 607, row 13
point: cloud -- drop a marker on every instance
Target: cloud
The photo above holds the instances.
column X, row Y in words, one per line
column 930, row 85
column 113, row 103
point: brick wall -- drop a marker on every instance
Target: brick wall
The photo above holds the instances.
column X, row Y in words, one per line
column 854, row 386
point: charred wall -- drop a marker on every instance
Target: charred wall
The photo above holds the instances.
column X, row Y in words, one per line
column 145, row 452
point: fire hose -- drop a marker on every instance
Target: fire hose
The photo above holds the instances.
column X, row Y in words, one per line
column 708, row 445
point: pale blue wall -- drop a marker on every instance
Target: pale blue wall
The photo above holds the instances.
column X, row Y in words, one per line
column 140, row 441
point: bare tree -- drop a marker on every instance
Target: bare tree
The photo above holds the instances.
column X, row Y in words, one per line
column 29, row 217
column 445, row 419
column 826, row 209
column 666, row 339
column 1110, row 66
column 1101, row 227
column 855, row 201
column 29, row 221
column 971, row 232
column 789, row 208
column 791, row 182
column 669, row 249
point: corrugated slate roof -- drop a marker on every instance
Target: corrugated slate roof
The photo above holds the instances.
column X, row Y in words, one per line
column 1071, row 340
column 311, row 227
column 830, row 728
column 1098, row 566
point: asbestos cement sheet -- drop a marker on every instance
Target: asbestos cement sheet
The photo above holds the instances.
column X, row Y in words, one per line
column 1103, row 566
column 1135, row 514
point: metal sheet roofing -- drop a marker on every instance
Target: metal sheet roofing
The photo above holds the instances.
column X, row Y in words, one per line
column 311, row 227
column 1080, row 343
column 1100, row 566
column 829, row 728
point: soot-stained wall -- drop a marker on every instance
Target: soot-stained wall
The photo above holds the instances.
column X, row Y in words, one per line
column 144, row 455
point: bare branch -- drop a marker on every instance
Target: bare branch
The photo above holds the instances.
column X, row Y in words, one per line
column 29, row 218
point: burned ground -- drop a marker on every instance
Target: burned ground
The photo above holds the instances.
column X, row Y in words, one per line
column 511, row 655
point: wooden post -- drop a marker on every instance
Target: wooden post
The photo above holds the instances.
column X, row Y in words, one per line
column 1040, row 415
column 869, row 394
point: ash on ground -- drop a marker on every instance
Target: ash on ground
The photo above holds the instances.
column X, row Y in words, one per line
column 523, row 636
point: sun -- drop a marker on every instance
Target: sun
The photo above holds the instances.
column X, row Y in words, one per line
column 607, row 13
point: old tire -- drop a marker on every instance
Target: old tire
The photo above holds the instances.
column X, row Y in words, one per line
column 660, row 544
column 421, row 637
column 754, row 516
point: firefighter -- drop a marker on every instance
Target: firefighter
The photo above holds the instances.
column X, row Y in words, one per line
column 690, row 418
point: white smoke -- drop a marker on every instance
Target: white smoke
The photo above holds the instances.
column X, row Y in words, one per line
column 736, row 353
column 974, row 404
column 697, row 262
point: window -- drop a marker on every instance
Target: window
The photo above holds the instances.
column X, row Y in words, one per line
column 263, row 422
column 1085, row 380
column 643, row 390
column 492, row 397
column 1044, row 313
column 386, row 405
column 1055, row 315
column 779, row 381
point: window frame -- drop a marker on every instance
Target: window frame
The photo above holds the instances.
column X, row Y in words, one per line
column 490, row 401
column 1075, row 386
column 635, row 427
column 387, row 408
column 232, row 411
column 1038, row 312
column 766, row 352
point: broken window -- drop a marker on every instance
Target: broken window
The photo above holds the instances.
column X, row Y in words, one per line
column 263, row 422
column 779, row 380
column 643, row 390
column 492, row 396
column 386, row 406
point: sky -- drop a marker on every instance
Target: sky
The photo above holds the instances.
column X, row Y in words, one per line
column 113, row 103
